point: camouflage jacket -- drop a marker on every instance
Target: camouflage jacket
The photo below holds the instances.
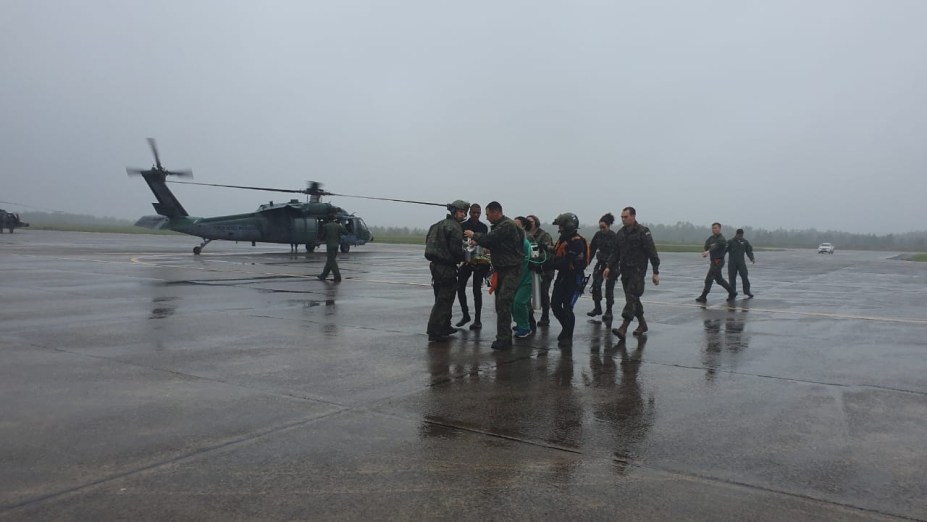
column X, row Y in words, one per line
column 633, row 249
column 716, row 246
column 602, row 244
column 504, row 241
column 736, row 248
column 444, row 243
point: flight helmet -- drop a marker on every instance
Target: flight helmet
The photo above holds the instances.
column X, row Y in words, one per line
column 568, row 221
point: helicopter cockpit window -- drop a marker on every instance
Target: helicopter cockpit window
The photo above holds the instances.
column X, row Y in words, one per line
column 361, row 226
column 349, row 224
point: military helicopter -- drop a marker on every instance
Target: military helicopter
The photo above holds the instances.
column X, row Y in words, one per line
column 292, row 223
column 10, row 220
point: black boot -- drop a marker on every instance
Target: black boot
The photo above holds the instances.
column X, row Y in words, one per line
column 464, row 320
column 607, row 316
column 701, row 299
column 596, row 311
column 545, row 319
column 476, row 324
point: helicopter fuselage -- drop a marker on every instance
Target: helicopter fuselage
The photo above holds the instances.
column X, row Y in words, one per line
column 292, row 223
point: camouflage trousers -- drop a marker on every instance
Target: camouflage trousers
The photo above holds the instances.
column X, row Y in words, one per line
column 444, row 280
column 505, row 296
column 633, row 285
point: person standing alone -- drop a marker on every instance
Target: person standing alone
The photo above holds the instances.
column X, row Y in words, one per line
column 331, row 233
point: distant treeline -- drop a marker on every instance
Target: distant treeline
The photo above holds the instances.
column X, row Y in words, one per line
column 60, row 218
column 682, row 233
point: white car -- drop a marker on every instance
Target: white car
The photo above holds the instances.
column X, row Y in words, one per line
column 825, row 248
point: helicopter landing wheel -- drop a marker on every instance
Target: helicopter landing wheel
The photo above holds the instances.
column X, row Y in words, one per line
column 199, row 248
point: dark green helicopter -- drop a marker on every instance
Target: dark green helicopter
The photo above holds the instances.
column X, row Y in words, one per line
column 10, row 220
column 292, row 223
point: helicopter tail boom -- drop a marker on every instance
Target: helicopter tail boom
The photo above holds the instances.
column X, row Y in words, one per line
column 167, row 204
column 156, row 176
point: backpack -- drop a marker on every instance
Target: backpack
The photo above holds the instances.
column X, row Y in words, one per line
column 434, row 244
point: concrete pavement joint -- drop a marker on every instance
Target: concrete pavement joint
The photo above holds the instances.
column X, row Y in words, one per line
column 174, row 460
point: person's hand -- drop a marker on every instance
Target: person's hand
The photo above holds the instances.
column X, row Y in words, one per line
column 605, row 273
column 752, row 262
column 468, row 234
column 704, row 254
column 656, row 279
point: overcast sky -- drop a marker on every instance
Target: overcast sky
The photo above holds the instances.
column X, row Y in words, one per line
column 792, row 114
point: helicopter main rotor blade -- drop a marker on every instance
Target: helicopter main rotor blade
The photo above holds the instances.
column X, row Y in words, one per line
column 241, row 187
column 154, row 150
column 309, row 191
column 391, row 199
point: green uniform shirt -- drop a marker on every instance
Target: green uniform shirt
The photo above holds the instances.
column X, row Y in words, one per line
column 332, row 232
column 736, row 249
column 716, row 246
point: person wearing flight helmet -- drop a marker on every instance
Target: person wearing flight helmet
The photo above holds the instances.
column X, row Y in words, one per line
column 444, row 248
column 571, row 256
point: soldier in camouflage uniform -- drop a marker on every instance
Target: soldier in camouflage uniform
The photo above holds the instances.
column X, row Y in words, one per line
column 444, row 248
column 715, row 249
column 505, row 242
column 633, row 249
column 546, row 274
column 736, row 248
column 601, row 247
column 332, row 232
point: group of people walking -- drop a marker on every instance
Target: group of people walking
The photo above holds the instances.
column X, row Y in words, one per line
column 523, row 254
column 716, row 248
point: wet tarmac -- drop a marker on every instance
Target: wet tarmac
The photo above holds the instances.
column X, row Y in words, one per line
column 140, row 382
